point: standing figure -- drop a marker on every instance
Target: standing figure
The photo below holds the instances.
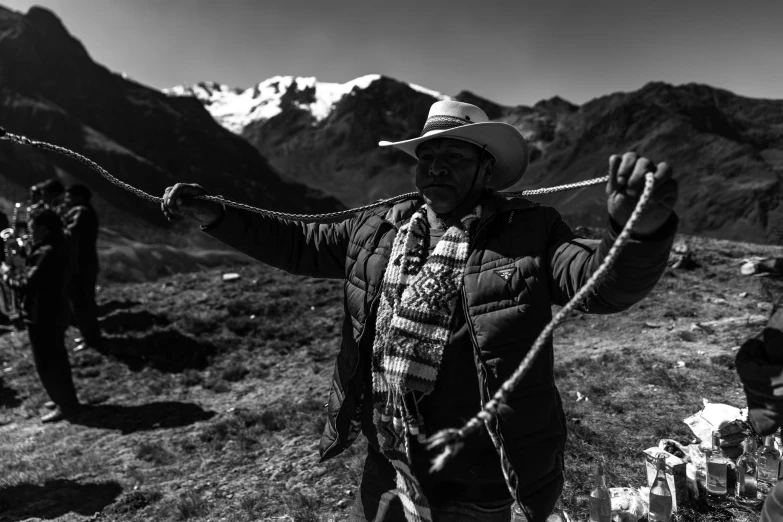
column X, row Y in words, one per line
column 759, row 363
column 4, row 224
column 45, row 311
column 81, row 229
column 445, row 293
column 50, row 192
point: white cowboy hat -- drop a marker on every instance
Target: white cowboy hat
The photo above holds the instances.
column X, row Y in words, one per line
column 466, row 122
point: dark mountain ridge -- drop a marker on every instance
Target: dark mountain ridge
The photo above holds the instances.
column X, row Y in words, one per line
column 51, row 90
column 726, row 149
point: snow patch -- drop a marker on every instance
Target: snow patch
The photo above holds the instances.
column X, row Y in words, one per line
column 234, row 109
column 434, row 94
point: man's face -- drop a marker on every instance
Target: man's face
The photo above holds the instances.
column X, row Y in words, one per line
column 445, row 172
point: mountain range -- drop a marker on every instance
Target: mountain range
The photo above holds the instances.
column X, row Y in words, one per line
column 726, row 149
column 51, row 90
column 302, row 145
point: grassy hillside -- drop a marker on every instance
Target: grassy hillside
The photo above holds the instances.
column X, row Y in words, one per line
column 207, row 402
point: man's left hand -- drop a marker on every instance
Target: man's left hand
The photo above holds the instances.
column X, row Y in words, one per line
column 625, row 187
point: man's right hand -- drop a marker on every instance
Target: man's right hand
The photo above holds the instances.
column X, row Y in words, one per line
column 179, row 201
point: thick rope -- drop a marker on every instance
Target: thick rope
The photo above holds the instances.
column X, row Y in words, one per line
column 285, row 215
column 451, row 439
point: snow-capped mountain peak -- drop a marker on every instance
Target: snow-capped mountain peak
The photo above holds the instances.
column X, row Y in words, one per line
column 235, row 108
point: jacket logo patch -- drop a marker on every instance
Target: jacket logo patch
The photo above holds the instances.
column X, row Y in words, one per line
column 505, row 273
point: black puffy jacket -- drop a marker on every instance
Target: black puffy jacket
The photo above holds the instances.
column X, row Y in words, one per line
column 523, row 259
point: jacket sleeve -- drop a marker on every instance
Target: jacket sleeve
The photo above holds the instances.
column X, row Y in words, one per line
column 40, row 265
column 77, row 223
column 636, row 271
column 311, row 249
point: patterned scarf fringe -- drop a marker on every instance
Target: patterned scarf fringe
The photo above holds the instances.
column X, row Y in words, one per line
column 418, row 301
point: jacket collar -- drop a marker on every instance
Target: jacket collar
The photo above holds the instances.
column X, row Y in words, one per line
column 492, row 205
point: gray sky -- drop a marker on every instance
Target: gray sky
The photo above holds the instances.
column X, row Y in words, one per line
column 513, row 52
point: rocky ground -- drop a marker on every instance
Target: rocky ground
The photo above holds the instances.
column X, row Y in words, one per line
column 207, row 401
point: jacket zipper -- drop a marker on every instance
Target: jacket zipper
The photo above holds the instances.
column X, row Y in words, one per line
column 477, row 351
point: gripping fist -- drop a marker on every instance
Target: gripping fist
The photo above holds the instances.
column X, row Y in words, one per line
column 625, row 187
column 180, row 201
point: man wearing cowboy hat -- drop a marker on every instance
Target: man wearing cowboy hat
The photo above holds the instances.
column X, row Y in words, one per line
column 445, row 293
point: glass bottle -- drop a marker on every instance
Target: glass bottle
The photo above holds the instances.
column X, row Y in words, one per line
column 660, row 494
column 746, row 490
column 768, row 459
column 600, row 500
column 717, row 473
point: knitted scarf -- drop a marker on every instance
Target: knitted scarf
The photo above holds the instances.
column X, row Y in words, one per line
column 418, row 300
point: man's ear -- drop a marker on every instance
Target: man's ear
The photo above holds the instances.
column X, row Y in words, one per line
column 488, row 169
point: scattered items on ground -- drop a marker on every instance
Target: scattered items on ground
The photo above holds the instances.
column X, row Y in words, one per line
column 686, row 465
column 681, row 257
column 763, row 266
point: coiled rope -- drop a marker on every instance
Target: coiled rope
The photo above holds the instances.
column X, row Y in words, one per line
column 284, row 215
column 449, row 440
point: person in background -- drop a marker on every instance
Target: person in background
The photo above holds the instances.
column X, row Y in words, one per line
column 45, row 311
column 50, row 192
column 81, row 231
column 4, row 223
column 759, row 363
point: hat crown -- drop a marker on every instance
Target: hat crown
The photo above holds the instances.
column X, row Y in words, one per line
column 454, row 109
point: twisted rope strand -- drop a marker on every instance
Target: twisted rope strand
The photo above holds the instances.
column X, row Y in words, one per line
column 450, row 439
column 285, row 215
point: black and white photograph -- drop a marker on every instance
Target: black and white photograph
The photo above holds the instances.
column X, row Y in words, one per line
column 391, row 261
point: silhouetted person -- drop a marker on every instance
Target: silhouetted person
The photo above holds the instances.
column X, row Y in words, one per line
column 3, row 225
column 50, row 192
column 759, row 363
column 45, row 311
column 81, row 229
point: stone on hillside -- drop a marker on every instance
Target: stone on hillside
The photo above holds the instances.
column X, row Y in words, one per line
column 680, row 247
column 681, row 257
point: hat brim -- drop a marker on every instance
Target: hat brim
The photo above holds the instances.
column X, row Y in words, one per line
column 501, row 139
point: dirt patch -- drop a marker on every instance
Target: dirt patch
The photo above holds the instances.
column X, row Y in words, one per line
column 217, row 414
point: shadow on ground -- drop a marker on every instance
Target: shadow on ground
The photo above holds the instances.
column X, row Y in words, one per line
column 55, row 498
column 131, row 321
column 8, row 396
column 145, row 417
column 165, row 350
column 114, row 305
